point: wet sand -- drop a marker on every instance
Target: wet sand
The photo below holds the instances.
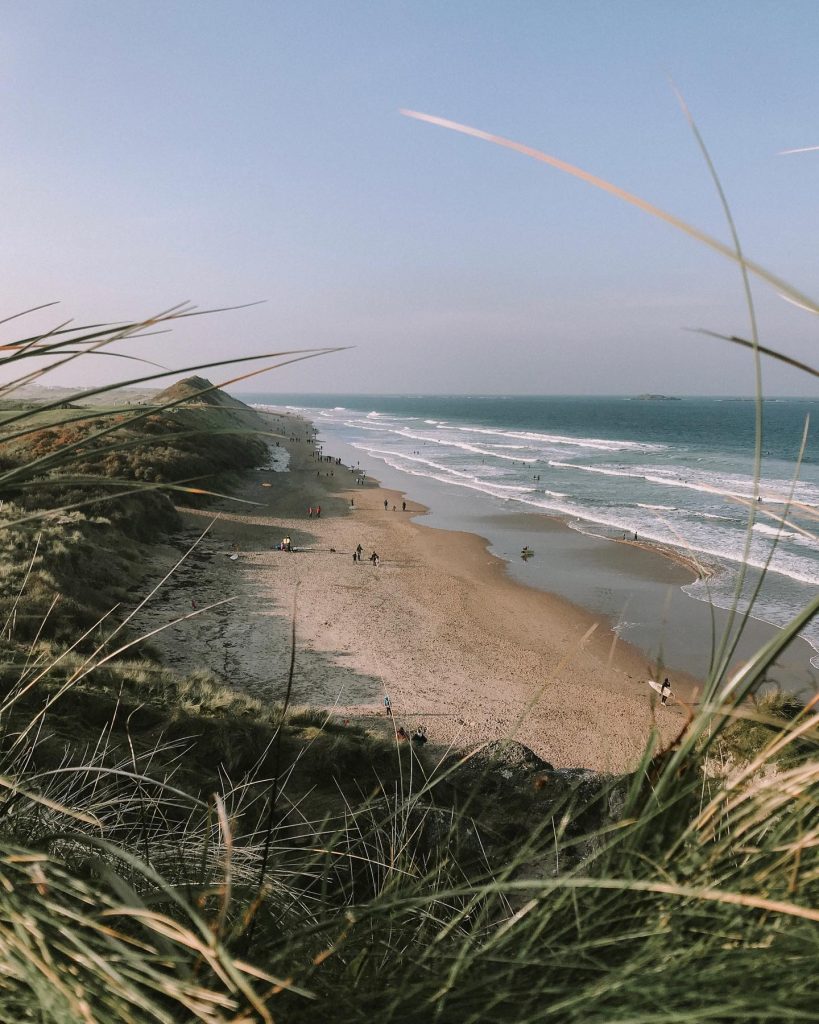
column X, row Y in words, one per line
column 638, row 588
column 440, row 626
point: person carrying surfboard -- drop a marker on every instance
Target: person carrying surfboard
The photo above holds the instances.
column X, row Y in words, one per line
column 665, row 691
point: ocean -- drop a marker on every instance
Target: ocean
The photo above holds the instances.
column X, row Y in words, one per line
column 675, row 472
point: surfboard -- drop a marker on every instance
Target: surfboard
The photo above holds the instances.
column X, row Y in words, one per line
column 659, row 688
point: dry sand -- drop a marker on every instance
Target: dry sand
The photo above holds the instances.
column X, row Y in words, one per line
column 439, row 626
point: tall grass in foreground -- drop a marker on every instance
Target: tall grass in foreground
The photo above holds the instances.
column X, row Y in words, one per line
column 684, row 891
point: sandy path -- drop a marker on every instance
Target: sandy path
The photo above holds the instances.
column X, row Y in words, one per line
column 439, row 626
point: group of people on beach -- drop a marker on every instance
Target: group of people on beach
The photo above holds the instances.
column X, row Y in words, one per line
column 358, row 553
column 419, row 737
column 358, row 556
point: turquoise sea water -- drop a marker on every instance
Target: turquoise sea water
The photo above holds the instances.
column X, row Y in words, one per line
column 675, row 472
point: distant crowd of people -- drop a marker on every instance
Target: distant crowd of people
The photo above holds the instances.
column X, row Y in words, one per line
column 315, row 511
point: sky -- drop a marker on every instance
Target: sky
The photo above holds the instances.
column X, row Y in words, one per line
column 224, row 153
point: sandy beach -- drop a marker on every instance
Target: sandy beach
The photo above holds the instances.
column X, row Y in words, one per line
column 438, row 626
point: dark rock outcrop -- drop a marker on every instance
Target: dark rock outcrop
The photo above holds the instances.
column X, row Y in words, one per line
column 509, row 790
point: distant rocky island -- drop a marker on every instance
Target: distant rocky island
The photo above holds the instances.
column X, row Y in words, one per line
column 655, row 398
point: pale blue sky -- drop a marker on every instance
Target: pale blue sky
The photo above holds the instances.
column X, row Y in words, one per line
column 224, row 152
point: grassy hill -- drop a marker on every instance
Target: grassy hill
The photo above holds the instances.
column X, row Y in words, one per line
column 70, row 576
column 59, row 480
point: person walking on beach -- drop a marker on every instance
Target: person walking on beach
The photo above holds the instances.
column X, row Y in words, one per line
column 403, row 506
column 385, row 504
column 359, row 551
column 374, row 559
column 387, row 706
column 310, row 512
column 318, row 512
column 352, row 502
column 665, row 691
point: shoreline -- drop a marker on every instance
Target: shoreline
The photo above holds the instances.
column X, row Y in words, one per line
column 642, row 588
column 441, row 627
column 698, row 570
column 498, row 567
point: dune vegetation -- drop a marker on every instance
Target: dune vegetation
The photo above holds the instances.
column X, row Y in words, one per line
column 173, row 851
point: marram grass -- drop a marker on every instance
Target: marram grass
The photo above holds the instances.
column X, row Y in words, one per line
column 170, row 851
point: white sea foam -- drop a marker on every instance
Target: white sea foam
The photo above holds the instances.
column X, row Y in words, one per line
column 773, row 531
column 728, row 485
column 444, row 473
column 771, row 610
column 784, row 534
column 364, row 426
column 446, row 443
column 538, row 437
column 597, row 443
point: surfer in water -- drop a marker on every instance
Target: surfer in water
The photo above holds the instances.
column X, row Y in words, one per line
column 665, row 691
